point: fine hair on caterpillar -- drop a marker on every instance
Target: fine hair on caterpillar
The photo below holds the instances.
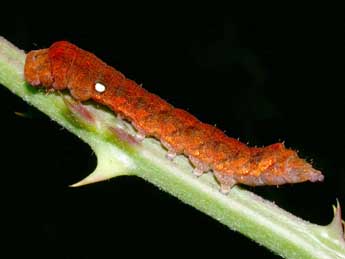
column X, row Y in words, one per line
column 65, row 66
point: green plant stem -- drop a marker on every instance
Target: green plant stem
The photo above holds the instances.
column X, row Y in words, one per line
column 119, row 154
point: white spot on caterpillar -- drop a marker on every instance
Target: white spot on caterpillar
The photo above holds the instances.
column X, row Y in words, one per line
column 99, row 87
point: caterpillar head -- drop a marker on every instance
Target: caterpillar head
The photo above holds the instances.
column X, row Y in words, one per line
column 48, row 68
column 37, row 70
column 62, row 66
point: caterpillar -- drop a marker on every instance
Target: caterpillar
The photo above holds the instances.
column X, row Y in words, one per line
column 65, row 66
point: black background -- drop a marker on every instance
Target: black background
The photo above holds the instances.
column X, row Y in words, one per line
column 262, row 73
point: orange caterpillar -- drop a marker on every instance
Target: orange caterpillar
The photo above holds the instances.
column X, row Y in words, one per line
column 64, row 65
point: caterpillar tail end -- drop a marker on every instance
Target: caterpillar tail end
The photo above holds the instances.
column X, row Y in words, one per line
column 278, row 165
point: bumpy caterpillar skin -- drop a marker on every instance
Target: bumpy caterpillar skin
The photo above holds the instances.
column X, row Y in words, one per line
column 65, row 66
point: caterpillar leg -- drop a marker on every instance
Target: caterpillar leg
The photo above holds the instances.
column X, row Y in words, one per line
column 226, row 181
column 171, row 155
column 199, row 167
column 140, row 136
column 198, row 172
